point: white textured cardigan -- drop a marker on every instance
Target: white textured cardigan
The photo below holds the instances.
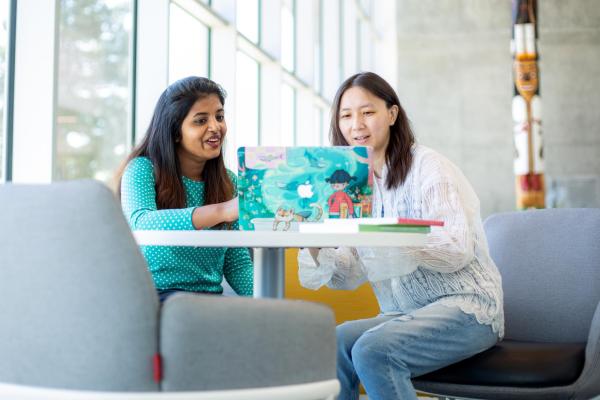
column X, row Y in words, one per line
column 453, row 268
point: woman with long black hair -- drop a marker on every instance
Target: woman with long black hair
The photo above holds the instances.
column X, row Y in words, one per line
column 440, row 303
column 176, row 179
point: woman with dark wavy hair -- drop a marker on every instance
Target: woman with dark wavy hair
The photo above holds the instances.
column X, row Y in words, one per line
column 439, row 303
column 176, row 179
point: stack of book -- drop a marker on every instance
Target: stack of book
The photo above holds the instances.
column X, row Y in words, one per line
column 353, row 225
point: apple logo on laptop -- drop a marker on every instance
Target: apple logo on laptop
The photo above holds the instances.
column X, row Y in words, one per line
column 305, row 191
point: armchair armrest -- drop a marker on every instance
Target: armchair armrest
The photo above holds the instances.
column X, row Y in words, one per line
column 214, row 343
column 589, row 381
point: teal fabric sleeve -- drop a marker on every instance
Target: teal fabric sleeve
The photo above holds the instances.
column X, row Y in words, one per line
column 138, row 198
column 238, row 269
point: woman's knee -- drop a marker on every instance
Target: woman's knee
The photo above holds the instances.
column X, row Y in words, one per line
column 370, row 350
column 346, row 335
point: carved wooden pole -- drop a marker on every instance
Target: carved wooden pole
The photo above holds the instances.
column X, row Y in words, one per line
column 526, row 108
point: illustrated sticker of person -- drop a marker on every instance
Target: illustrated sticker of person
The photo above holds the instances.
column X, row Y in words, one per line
column 340, row 204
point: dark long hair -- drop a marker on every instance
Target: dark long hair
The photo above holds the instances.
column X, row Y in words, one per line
column 159, row 145
column 398, row 155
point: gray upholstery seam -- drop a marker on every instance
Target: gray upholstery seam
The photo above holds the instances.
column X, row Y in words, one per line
column 159, row 350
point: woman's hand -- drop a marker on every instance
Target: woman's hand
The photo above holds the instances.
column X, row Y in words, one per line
column 214, row 214
column 230, row 210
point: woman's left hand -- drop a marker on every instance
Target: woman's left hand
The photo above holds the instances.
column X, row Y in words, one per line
column 230, row 210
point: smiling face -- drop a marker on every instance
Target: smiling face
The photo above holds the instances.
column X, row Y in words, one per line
column 364, row 119
column 202, row 131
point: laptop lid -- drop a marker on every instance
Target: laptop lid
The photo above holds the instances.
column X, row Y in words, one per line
column 279, row 187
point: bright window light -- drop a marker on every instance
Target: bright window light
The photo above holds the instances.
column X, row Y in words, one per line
column 92, row 114
column 288, row 104
column 288, row 42
column 246, row 102
column 246, row 18
column 188, row 45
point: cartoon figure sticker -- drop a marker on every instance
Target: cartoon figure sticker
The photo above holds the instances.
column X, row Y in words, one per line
column 340, row 203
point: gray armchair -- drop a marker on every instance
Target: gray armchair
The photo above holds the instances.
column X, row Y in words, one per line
column 79, row 314
column 550, row 266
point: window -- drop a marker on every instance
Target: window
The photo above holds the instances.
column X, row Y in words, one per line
column 318, row 47
column 92, row 116
column 318, row 122
column 332, row 48
column 4, row 9
column 246, row 104
column 317, row 125
column 288, row 117
column 349, row 39
column 188, row 45
column 288, row 35
column 364, row 47
column 281, row 61
column 247, row 19
column 326, row 124
column 366, row 7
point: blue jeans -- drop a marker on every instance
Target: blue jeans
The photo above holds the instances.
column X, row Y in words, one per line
column 386, row 351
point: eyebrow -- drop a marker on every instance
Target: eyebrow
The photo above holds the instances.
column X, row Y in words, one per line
column 205, row 113
column 362, row 106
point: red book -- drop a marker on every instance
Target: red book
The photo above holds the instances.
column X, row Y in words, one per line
column 420, row 222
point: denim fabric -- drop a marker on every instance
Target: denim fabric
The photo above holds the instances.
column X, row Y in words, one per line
column 386, row 351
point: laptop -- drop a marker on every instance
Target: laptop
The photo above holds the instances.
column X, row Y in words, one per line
column 279, row 187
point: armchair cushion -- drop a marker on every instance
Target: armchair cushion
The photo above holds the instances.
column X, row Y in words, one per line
column 212, row 343
column 549, row 262
column 519, row 364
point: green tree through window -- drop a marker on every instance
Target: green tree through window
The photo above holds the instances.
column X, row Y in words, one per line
column 93, row 88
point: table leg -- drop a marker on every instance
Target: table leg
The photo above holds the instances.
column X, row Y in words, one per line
column 269, row 272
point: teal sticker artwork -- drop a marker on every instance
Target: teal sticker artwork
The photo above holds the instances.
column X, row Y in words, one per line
column 281, row 186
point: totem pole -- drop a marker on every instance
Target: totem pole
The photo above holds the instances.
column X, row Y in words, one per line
column 526, row 107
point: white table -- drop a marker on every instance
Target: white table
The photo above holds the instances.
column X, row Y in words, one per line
column 269, row 247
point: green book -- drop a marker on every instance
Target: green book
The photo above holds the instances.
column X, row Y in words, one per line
column 393, row 228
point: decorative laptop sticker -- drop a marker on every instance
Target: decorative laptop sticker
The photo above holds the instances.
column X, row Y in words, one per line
column 279, row 187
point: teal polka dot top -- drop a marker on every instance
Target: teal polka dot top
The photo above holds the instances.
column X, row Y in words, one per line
column 196, row 269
